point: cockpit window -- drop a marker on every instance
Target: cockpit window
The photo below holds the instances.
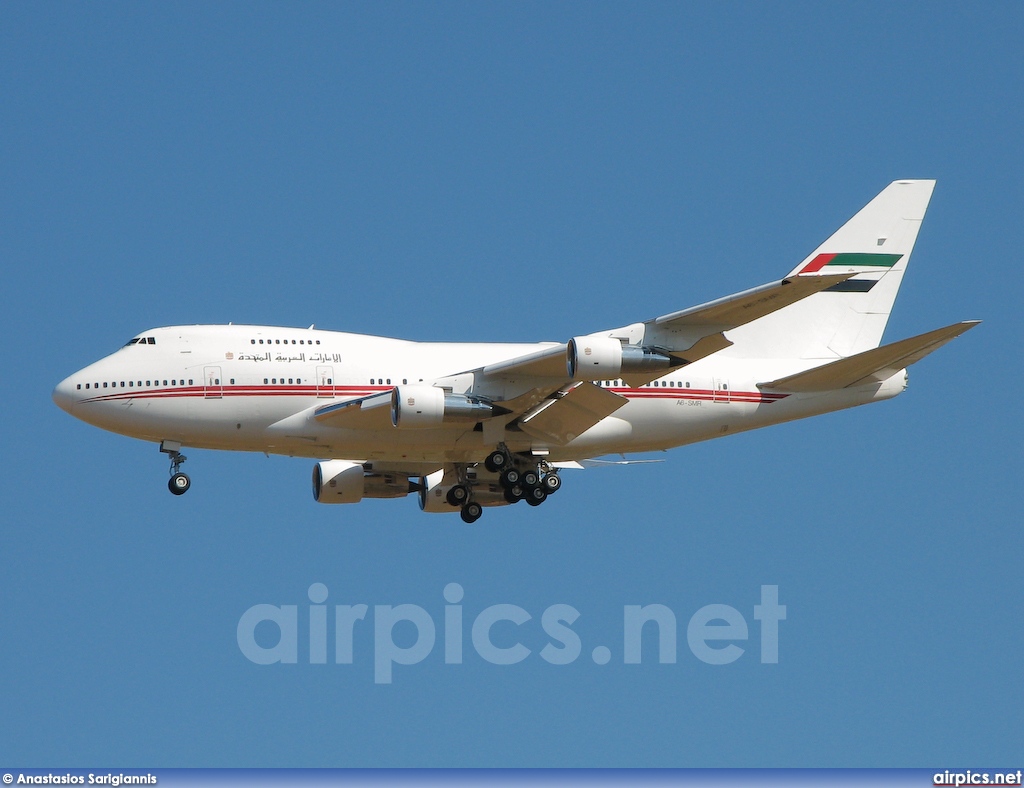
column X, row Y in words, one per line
column 141, row 341
column 131, row 342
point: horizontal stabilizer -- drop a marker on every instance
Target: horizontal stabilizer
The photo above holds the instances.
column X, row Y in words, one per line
column 568, row 416
column 870, row 366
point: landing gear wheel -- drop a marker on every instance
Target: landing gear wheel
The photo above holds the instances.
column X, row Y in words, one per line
column 458, row 495
column 531, row 478
column 179, row 484
column 551, row 483
column 497, row 461
column 535, row 496
column 471, row 512
column 509, row 478
column 515, row 493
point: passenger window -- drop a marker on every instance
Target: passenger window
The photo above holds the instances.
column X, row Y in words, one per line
column 87, row 385
column 79, row 387
column 252, row 341
column 404, row 381
column 261, row 341
column 104, row 385
column 389, row 381
column 330, row 382
column 298, row 380
column 174, row 383
column 232, row 381
column 318, row 341
column 265, row 381
column 289, row 380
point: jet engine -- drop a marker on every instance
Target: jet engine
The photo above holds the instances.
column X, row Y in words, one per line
column 433, row 493
column 418, row 407
column 343, row 481
column 603, row 358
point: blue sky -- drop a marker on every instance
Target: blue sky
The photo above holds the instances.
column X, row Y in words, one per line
column 508, row 172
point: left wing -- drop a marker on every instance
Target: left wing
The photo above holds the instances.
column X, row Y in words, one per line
column 570, row 412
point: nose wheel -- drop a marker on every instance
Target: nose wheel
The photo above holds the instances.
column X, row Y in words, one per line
column 179, row 482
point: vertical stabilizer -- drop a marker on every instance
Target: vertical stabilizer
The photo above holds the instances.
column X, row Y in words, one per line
column 849, row 317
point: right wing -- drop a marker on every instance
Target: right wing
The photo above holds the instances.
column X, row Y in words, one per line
column 540, row 397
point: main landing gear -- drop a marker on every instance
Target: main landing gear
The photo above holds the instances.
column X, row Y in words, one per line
column 531, row 484
column 179, row 482
column 519, row 479
column 471, row 512
column 460, row 496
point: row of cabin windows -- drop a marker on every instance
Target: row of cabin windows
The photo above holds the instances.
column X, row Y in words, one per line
column 141, row 341
column 133, row 384
column 373, row 382
column 285, row 342
column 176, row 382
column 655, row 384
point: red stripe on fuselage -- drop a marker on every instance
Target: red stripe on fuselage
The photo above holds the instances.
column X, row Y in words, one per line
column 219, row 392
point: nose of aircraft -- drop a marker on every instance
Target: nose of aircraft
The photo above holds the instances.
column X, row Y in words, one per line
column 64, row 395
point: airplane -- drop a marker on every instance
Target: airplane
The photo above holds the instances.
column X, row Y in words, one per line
column 465, row 426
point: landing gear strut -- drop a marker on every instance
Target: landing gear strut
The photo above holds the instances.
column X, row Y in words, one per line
column 179, row 482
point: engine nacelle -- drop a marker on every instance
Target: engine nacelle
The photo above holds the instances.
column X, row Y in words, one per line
column 603, row 358
column 434, row 493
column 343, row 481
column 338, row 481
column 420, row 407
column 593, row 358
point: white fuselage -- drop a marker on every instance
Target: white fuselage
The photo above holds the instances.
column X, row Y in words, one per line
column 241, row 388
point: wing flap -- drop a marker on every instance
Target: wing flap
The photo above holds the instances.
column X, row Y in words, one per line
column 872, row 365
column 563, row 418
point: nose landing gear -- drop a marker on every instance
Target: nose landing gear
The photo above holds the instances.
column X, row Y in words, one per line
column 179, row 482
